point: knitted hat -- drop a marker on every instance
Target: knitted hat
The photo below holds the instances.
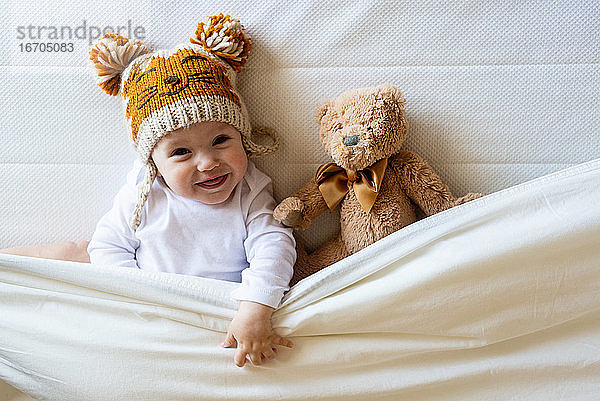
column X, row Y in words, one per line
column 170, row 89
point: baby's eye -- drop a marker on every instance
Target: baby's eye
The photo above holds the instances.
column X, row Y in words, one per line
column 180, row 152
column 220, row 139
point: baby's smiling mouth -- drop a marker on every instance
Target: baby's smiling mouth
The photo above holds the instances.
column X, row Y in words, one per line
column 214, row 182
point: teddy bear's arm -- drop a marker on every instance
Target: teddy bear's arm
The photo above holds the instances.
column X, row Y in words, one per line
column 418, row 180
column 300, row 209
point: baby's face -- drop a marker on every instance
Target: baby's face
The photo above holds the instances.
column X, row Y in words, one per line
column 203, row 162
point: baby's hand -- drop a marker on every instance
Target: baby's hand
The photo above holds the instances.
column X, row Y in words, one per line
column 250, row 330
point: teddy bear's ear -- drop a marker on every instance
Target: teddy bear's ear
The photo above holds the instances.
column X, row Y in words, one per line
column 393, row 94
column 322, row 110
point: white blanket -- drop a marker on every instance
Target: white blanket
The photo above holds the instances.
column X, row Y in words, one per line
column 495, row 299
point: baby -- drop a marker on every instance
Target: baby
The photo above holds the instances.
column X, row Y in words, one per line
column 194, row 204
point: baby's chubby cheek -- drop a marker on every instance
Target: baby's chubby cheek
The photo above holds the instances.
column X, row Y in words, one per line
column 240, row 166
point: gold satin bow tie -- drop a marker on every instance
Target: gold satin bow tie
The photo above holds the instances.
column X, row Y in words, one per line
column 334, row 183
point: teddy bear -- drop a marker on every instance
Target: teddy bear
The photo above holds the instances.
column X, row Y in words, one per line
column 379, row 187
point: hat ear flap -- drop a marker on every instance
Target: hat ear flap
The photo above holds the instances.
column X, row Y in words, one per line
column 225, row 38
column 110, row 55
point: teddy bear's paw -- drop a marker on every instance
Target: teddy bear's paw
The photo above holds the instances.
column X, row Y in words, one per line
column 468, row 197
column 289, row 212
column 293, row 219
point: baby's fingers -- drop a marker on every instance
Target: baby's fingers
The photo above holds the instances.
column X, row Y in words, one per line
column 269, row 354
column 282, row 341
column 256, row 358
column 230, row 341
column 239, row 358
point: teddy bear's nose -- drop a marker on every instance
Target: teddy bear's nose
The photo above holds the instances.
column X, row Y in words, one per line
column 351, row 140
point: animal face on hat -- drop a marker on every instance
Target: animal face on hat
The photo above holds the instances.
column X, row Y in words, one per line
column 170, row 89
column 167, row 80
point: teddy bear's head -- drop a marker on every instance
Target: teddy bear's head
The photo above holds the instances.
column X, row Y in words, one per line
column 362, row 126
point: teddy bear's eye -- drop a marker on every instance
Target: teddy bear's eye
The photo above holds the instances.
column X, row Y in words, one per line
column 370, row 129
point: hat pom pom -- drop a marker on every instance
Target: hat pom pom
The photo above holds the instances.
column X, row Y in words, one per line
column 226, row 38
column 110, row 55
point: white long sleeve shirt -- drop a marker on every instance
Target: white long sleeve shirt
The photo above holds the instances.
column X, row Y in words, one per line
column 238, row 240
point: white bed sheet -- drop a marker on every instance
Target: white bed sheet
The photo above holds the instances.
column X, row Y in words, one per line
column 495, row 299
